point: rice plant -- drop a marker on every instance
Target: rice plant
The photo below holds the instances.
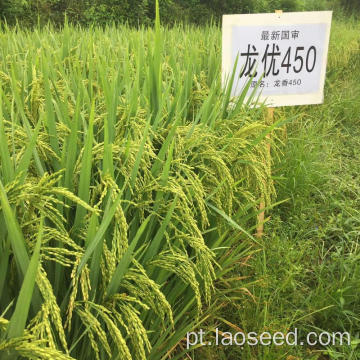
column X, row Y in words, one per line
column 128, row 189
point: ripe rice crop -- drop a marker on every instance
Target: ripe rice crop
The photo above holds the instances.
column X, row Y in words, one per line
column 128, row 189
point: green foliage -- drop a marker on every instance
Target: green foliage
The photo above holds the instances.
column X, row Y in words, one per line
column 11, row 10
column 142, row 12
column 102, row 12
column 351, row 5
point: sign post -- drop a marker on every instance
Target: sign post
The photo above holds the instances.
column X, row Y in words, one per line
column 284, row 55
column 270, row 120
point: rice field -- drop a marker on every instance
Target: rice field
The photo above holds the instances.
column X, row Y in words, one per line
column 128, row 190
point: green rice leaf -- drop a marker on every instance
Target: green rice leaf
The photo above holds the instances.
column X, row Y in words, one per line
column 26, row 158
column 108, row 216
column 18, row 320
column 85, row 172
column 15, row 234
column 6, row 162
column 155, row 242
column 126, row 260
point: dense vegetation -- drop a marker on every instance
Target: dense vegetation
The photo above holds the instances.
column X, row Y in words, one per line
column 128, row 190
column 306, row 274
column 134, row 12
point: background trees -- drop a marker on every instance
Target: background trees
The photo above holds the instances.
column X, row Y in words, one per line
column 135, row 12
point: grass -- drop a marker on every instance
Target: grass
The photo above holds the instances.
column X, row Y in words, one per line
column 308, row 265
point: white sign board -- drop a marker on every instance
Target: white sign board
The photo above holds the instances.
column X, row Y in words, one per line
column 283, row 55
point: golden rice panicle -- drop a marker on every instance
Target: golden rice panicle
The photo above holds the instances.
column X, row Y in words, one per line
column 179, row 263
column 95, row 328
column 139, row 285
column 50, row 302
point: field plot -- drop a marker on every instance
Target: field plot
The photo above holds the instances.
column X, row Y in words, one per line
column 128, row 191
